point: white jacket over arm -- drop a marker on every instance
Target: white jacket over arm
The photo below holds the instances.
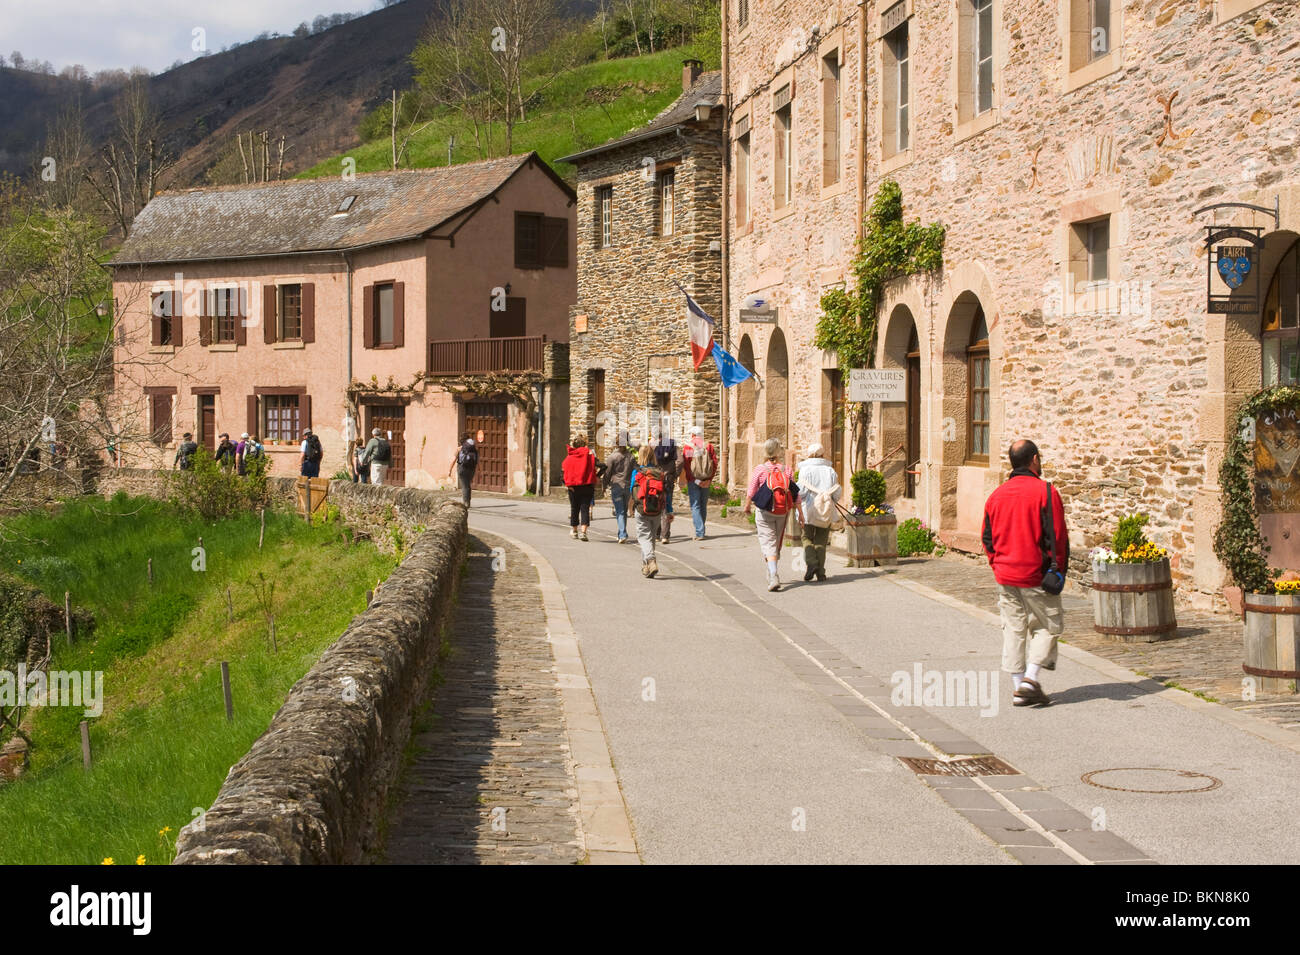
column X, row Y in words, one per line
column 817, row 477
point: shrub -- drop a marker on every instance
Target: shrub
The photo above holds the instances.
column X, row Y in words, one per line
column 915, row 538
column 868, row 489
column 1129, row 533
column 213, row 492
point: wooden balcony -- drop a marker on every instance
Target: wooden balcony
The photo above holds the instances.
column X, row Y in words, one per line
column 476, row 356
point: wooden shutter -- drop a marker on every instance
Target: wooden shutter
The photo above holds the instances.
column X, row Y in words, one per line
column 268, row 315
column 238, row 304
column 368, row 317
column 308, row 313
column 528, row 240
column 512, row 323
column 399, row 314
column 205, row 318
column 304, row 409
column 252, row 416
column 177, row 309
column 555, row 242
column 155, row 319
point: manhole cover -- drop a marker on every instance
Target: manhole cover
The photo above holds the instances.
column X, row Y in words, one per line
column 1147, row 779
column 977, row 766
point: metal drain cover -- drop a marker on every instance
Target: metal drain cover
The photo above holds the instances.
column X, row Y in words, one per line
column 1148, row 779
column 974, row 766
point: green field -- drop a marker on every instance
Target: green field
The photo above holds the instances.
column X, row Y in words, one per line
column 585, row 107
column 162, row 746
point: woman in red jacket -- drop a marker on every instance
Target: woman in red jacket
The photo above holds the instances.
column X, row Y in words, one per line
column 580, row 479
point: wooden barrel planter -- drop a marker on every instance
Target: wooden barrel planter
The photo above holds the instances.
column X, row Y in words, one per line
column 1273, row 640
column 1134, row 603
column 871, row 539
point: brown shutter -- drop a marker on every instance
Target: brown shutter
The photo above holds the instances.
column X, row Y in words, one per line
column 252, row 416
column 268, row 315
column 155, row 318
column 399, row 314
column 368, row 317
column 239, row 305
column 306, row 410
column 308, row 313
column 178, row 338
column 555, row 242
column 205, row 318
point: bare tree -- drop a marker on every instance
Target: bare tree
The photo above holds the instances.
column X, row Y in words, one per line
column 411, row 129
column 453, row 67
column 132, row 163
column 66, row 159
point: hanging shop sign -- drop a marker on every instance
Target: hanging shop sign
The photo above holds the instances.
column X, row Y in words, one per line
column 877, row 384
column 1232, row 266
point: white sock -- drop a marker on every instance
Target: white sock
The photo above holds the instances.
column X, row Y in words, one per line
column 1015, row 680
column 1031, row 672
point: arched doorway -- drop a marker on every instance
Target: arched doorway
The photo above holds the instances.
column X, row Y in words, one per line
column 747, row 392
column 913, row 458
column 1280, row 323
column 777, row 389
column 900, row 423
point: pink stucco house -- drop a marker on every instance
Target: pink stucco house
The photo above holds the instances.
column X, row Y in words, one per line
column 424, row 302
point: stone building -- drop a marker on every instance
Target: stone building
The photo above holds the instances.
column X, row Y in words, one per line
column 649, row 216
column 422, row 302
column 1070, row 148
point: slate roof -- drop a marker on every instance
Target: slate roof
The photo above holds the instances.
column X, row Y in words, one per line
column 708, row 87
column 299, row 215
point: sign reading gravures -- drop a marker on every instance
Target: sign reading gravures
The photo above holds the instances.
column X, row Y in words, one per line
column 1277, row 484
column 877, row 384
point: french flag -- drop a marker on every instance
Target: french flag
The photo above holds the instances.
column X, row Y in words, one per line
column 701, row 325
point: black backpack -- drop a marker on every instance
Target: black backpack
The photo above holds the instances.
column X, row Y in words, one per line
column 467, row 459
column 383, row 452
column 314, row 450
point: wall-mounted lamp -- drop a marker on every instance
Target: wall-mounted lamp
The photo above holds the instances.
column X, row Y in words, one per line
column 702, row 109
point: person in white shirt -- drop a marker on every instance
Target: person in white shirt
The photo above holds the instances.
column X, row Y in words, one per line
column 819, row 492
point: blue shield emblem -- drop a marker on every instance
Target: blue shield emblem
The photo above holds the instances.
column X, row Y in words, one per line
column 1234, row 266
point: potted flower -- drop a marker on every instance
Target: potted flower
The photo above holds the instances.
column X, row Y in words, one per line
column 1272, row 637
column 1132, row 589
column 870, row 526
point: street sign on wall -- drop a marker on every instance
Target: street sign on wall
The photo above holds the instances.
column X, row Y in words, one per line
column 877, row 384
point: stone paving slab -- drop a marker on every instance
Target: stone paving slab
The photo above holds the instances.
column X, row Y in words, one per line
column 491, row 779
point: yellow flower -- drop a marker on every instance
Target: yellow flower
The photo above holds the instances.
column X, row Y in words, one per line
column 164, row 830
column 139, row 860
column 1287, row 586
column 108, row 860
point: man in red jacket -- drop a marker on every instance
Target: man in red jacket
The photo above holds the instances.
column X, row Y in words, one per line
column 1015, row 540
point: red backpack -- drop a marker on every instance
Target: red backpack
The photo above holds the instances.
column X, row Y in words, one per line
column 650, row 491
column 780, row 488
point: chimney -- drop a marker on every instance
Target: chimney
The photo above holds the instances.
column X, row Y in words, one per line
column 691, row 70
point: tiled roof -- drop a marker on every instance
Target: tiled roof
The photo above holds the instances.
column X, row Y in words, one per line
column 708, row 88
column 300, row 215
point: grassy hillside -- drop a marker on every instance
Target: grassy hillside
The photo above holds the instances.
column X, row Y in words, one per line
column 586, row 107
column 162, row 745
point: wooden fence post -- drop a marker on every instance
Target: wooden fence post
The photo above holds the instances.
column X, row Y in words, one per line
column 85, row 745
column 67, row 614
column 225, row 690
column 230, row 607
column 151, row 571
column 261, row 533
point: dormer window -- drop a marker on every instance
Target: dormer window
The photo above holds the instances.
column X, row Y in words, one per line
column 345, row 205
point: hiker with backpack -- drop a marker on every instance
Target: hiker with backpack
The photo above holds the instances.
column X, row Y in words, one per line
column 225, row 452
column 699, row 467
column 465, row 463
column 819, row 493
column 649, row 496
column 668, row 458
column 617, row 479
column 360, row 472
column 772, row 490
column 312, row 454
column 378, row 456
column 580, row 480
column 185, row 453
column 252, row 459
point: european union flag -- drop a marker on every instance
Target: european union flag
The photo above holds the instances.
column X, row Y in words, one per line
column 732, row 371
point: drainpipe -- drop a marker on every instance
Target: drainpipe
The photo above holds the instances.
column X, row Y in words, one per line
column 724, row 452
column 347, row 388
column 541, row 437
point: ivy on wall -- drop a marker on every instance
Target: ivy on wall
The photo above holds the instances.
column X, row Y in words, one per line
column 887, row 249
column 1238, row 543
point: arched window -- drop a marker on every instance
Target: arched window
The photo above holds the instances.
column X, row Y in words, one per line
column 977, row 389
column 1281, row 327
column 777, row 388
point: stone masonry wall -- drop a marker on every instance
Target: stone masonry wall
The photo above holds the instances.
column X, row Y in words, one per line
column 636, row 318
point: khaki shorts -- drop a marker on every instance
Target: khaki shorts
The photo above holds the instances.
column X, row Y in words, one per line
column 1032, row 621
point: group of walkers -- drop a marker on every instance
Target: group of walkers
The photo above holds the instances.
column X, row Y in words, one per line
column 371, row 460
column 229, row 455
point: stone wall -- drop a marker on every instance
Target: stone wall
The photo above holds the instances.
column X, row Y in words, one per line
column 636, row 317
column 312, row 788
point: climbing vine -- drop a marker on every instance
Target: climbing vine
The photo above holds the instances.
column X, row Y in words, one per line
column 1238, row 543
column 887, row 249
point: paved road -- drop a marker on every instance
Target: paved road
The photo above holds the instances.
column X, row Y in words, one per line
column 771, row 734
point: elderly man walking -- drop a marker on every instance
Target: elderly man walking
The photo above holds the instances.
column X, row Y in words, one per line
column 1028, row 547
column 819, row 492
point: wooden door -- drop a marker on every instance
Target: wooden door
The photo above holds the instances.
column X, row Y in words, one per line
column 208, row 422
column 486, row 423
column 913, row 462
column 392, row 418
column 596, row 392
